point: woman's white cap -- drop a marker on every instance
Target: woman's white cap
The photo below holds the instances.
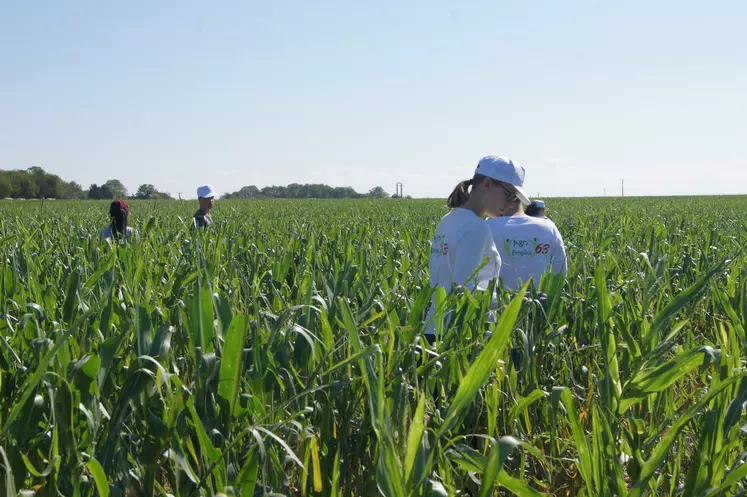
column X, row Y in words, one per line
column 505, row 170
column 206, row 191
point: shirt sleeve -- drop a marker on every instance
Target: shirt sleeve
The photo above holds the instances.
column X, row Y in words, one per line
column 471, row 249
column 559, row 257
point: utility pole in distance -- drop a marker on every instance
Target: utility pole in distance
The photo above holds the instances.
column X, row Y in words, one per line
column 622, row 186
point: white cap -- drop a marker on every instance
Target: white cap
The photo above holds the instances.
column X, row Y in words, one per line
column 505, row 170
column 206, row 191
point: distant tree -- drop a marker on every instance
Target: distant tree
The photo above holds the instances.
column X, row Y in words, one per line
column 345, row 192
column 50, row 186
column 245, row 192
column 271, row 191
column 94, row 192
column 295, row 190
column 162, row 196
column 146, row 191
column 248, row 191
column 377, row 192
column 6, row 188
column 39, row 176
column 114, row 189
column 72, row 190
column 315, row 191
column 23, row 185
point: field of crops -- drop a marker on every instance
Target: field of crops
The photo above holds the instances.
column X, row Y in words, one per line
column 280, row 354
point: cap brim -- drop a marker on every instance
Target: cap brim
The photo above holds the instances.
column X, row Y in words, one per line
column 522, row 195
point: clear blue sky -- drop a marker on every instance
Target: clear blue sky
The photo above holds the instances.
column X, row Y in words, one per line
column 237, row 92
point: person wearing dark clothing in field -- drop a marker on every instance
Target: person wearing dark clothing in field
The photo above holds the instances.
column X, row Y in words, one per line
column 119, row 211
column 536, row 209
column 206, row 195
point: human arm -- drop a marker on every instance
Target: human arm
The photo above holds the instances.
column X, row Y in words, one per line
column 559, row 256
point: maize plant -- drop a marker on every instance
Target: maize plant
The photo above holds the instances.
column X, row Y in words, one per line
column 282, row 353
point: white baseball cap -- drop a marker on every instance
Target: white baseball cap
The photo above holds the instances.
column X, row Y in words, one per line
column 206, row 191
column 505, row 170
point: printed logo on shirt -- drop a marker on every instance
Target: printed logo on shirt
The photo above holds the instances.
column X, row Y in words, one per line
column 540, row 248
column 525, row 248
column 440, row 246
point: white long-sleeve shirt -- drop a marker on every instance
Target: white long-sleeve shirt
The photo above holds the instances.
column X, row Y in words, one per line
column 529, row 246
column 462, row 243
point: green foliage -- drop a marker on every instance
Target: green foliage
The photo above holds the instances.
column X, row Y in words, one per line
column 37, row 183
column 150, row 192
column 146, row 191
column 113, row 188
column 298, row 191
column 281, row 353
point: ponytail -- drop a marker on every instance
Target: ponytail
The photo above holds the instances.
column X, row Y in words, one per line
column 461, row 193
column 118, row 210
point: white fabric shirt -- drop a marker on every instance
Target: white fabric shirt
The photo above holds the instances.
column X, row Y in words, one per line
column 529, row 246
column 107, row 232
column 461, row 244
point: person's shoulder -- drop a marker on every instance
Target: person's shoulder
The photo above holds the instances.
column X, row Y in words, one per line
column 537, row 221
column 546, row 221
column 498, row 221
column 452, row 220
column 554, row 228
column 546, row 224
column 476, row 229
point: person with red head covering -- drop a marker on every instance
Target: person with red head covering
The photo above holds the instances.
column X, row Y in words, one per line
column 118, row 211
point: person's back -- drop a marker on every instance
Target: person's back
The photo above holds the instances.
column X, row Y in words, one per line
column 107, row 232
column 462, row 240
column 528, row 246
column 119, row 213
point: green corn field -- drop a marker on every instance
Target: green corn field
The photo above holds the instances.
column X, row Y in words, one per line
column 282, row 353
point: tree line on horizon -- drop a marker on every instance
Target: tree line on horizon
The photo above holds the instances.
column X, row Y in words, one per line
column 296, row 190
column 36, row 183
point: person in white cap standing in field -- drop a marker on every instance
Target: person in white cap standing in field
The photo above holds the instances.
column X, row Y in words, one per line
column 463, row 241
column 206, row 195
column 529, row 246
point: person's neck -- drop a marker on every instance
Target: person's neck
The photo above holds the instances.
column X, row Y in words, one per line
column 513, row 210
column 474, row 205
